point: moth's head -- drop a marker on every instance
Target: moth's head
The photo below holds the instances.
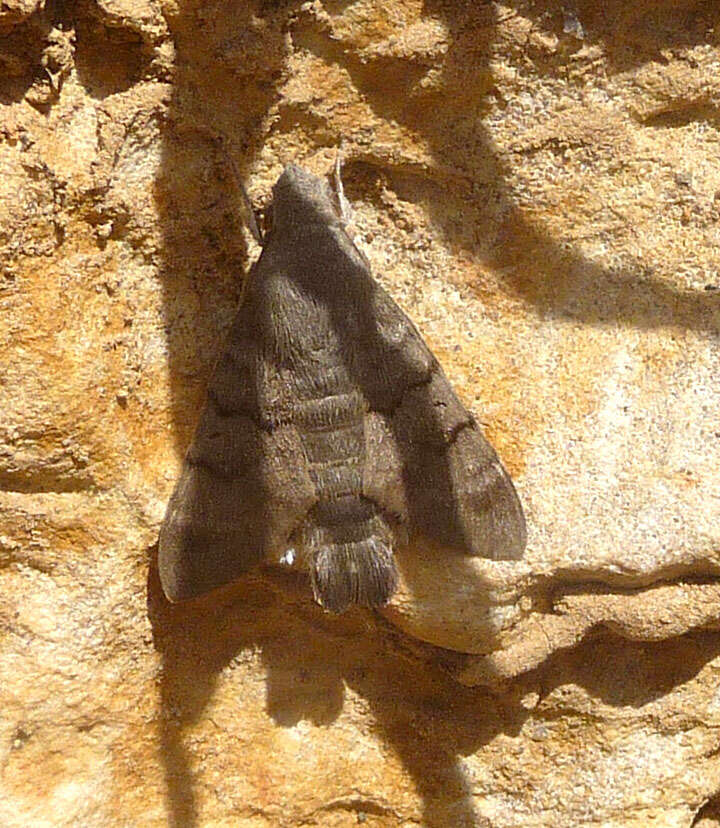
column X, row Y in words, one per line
column 300, row 199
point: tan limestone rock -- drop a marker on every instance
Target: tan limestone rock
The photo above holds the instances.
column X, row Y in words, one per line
column 537, row 184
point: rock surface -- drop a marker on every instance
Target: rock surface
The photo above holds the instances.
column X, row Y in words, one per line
column 537, row 184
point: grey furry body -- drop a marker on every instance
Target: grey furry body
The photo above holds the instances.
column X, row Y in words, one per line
column 330, row 429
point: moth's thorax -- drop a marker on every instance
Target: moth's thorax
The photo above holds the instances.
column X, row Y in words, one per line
column 322, row 282
column 301, row 200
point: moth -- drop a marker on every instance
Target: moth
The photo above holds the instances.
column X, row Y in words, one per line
column 330, row 433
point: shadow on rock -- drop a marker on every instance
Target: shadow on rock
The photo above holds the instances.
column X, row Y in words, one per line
column 311, row 660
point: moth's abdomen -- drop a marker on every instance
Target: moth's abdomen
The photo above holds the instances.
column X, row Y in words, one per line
column 361, row 572
column 346, row 536
column 351, row 556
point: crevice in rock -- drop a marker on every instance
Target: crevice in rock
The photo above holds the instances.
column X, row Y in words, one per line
column 45, row 481
column 109, row 59
column 709, row 815
column 21, row 52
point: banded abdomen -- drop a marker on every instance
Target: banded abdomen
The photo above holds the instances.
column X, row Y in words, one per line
column 346, row 536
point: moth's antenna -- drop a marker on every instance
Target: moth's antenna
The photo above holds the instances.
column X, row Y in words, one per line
column 344, row 205
column 345, row 209
column 221, row 141
column 249, row 212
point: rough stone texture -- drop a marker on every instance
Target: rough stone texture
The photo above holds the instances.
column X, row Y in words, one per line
column 538, row 185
